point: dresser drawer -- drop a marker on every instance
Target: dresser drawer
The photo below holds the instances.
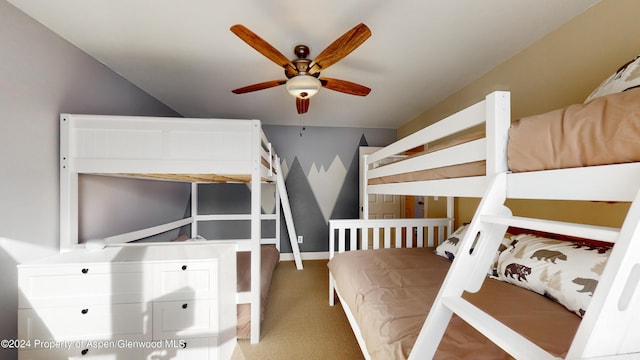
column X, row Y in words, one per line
column 91, row 322
column 84, row 284
column 186, row 280
column 179, row 319
column 85, row 353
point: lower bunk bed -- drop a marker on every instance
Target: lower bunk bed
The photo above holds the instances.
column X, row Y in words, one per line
column 269, row 259
column 388, row 292
column 573, row 298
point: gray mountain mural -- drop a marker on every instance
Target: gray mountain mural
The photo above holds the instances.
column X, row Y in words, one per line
column 347, row 203
column 307, row 215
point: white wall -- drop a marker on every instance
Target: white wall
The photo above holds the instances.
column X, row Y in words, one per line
column 42, row 75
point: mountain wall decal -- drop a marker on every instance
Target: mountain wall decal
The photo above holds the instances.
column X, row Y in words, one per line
column 307, row 216
column 326, row 185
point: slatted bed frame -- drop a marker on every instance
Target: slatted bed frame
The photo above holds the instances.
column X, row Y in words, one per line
column 608, row 329
column 175, row 149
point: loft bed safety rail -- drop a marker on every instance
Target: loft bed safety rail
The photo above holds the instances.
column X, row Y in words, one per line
column 268, row 155
column 483, row 143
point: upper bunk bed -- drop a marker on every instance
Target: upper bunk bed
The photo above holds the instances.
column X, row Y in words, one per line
column 189, row 150
column 462, row 152
column 161, row 148
column 584, row 152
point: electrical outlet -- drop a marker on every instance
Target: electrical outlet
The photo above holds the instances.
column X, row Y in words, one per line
column 300, row 239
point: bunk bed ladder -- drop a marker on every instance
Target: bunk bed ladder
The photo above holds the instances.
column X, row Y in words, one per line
column 288, row 218
column 467, row 273
column 608, row 327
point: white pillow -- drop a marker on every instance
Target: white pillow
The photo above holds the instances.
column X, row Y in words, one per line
column 627, row 77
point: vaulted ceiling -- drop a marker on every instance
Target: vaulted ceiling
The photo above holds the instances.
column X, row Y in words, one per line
column 420, row 51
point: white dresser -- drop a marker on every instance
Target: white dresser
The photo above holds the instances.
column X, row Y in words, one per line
column 160, row 301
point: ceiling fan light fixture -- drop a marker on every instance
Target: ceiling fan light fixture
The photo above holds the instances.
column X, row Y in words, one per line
column 303, row 86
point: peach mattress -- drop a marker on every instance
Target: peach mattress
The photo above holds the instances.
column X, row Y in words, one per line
column 390, row 291
column 269, row 261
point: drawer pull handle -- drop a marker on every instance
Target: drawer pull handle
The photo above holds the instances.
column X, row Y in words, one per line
column 184, row 267
column 85, row 270
column 184, row 306
column 84, row 311
column 84, row 352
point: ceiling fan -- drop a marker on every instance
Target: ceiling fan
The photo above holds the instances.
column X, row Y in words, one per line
column 303, row 75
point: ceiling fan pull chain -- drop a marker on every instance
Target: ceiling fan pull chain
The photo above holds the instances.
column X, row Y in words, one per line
column 302, row 127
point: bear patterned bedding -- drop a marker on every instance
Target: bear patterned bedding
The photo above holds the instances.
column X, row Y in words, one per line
column 390, row 291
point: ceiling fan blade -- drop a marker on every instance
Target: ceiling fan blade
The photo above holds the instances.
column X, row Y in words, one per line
column 260, row 86
column 302, row 105
column 340, row 48
column 344, row 86
column 262, row 47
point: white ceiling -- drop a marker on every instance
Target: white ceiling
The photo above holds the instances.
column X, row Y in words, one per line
column 420, row 51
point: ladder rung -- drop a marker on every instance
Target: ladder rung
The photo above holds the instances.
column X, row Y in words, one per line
column 510, row 341
column 602, row 233
column 243, row 297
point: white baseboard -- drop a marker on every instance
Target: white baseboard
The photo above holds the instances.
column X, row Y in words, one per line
column 320, row 255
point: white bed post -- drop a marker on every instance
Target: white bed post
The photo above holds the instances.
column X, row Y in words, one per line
column 278, row 214
column 467, row 272
column 68, row 189
column 450, row 215
column 365, row 181
column 256, row 236
column 194, row 209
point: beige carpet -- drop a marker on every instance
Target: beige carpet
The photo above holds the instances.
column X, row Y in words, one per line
column 299, row 323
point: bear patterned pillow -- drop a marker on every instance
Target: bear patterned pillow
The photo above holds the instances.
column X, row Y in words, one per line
column 565, row 271
column 449, row 247
column 627, row 77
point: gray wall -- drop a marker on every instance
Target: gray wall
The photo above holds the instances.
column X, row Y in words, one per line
column 42, row 76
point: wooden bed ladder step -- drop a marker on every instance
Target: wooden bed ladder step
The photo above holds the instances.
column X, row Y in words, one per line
column 288, row 218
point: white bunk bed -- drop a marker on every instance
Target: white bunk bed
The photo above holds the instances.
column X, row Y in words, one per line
column 176, row 149
column 608, row 329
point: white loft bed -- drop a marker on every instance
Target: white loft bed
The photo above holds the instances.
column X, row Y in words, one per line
column 176, row 149
column 609, row 327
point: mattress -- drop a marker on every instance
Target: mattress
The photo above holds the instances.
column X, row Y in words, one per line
column 603, row 131
column 390, row 291
column 269, row 261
